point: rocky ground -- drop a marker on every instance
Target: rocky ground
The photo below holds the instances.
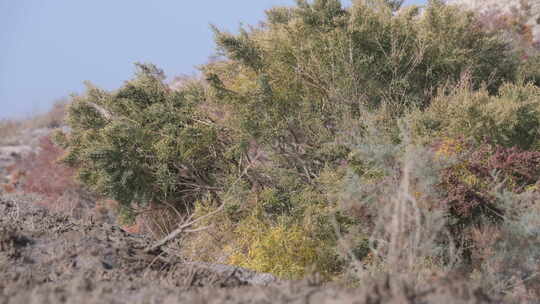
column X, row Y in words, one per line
column 50, row 258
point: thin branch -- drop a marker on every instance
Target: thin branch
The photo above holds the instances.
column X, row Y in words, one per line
column 101, row 110
column 183, row 228
column 189, row 222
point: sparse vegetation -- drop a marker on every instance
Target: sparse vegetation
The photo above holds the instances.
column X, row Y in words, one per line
column 51, row 119
column 40, row 173
column 9, row 129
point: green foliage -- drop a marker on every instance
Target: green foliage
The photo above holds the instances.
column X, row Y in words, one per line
column 288, row 229
column 370, row 121
column 145, row 142
column 459, row 46
column 530, row 69
column 516, row 26
column 510, row 118
column 289, row 232
column 310, row 73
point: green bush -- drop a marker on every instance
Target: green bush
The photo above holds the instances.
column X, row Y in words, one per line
column 301, row 83
column 367, row 106
column 145, row 142
column 516, row 26
column 287, row 229
column 510, row 118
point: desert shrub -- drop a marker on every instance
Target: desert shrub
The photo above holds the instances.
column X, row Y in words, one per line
column 313, row 75
column 318, row 128
column 391, row 188
column 296, row 82
column 516, row 25
column 145, row 142
column 287, row 250
column 471, row 186
column 287, row 229
column 429, row 209
column 507, row 254
column 510, row 118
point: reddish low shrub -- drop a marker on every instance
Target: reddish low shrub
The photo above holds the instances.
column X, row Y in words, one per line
column 40, row 173
column 43, row 174
column 471, row 186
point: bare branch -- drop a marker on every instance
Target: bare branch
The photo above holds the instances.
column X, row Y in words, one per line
column 183, row 228
column 101, row 110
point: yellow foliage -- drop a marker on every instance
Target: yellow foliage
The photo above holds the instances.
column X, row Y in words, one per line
column 288, row 251
column 531, row 188
column 471, row 180
column 450, row 147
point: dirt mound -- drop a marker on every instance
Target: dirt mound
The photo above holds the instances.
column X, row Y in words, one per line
column 50, row 258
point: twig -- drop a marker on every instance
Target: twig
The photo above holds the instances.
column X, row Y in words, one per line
column 183, row 228
column 101, row 110
column 189, row 222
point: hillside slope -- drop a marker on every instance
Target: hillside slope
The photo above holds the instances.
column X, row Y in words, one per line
column 530, row 9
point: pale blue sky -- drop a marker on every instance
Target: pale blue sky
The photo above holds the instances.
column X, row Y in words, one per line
column 49, row 47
